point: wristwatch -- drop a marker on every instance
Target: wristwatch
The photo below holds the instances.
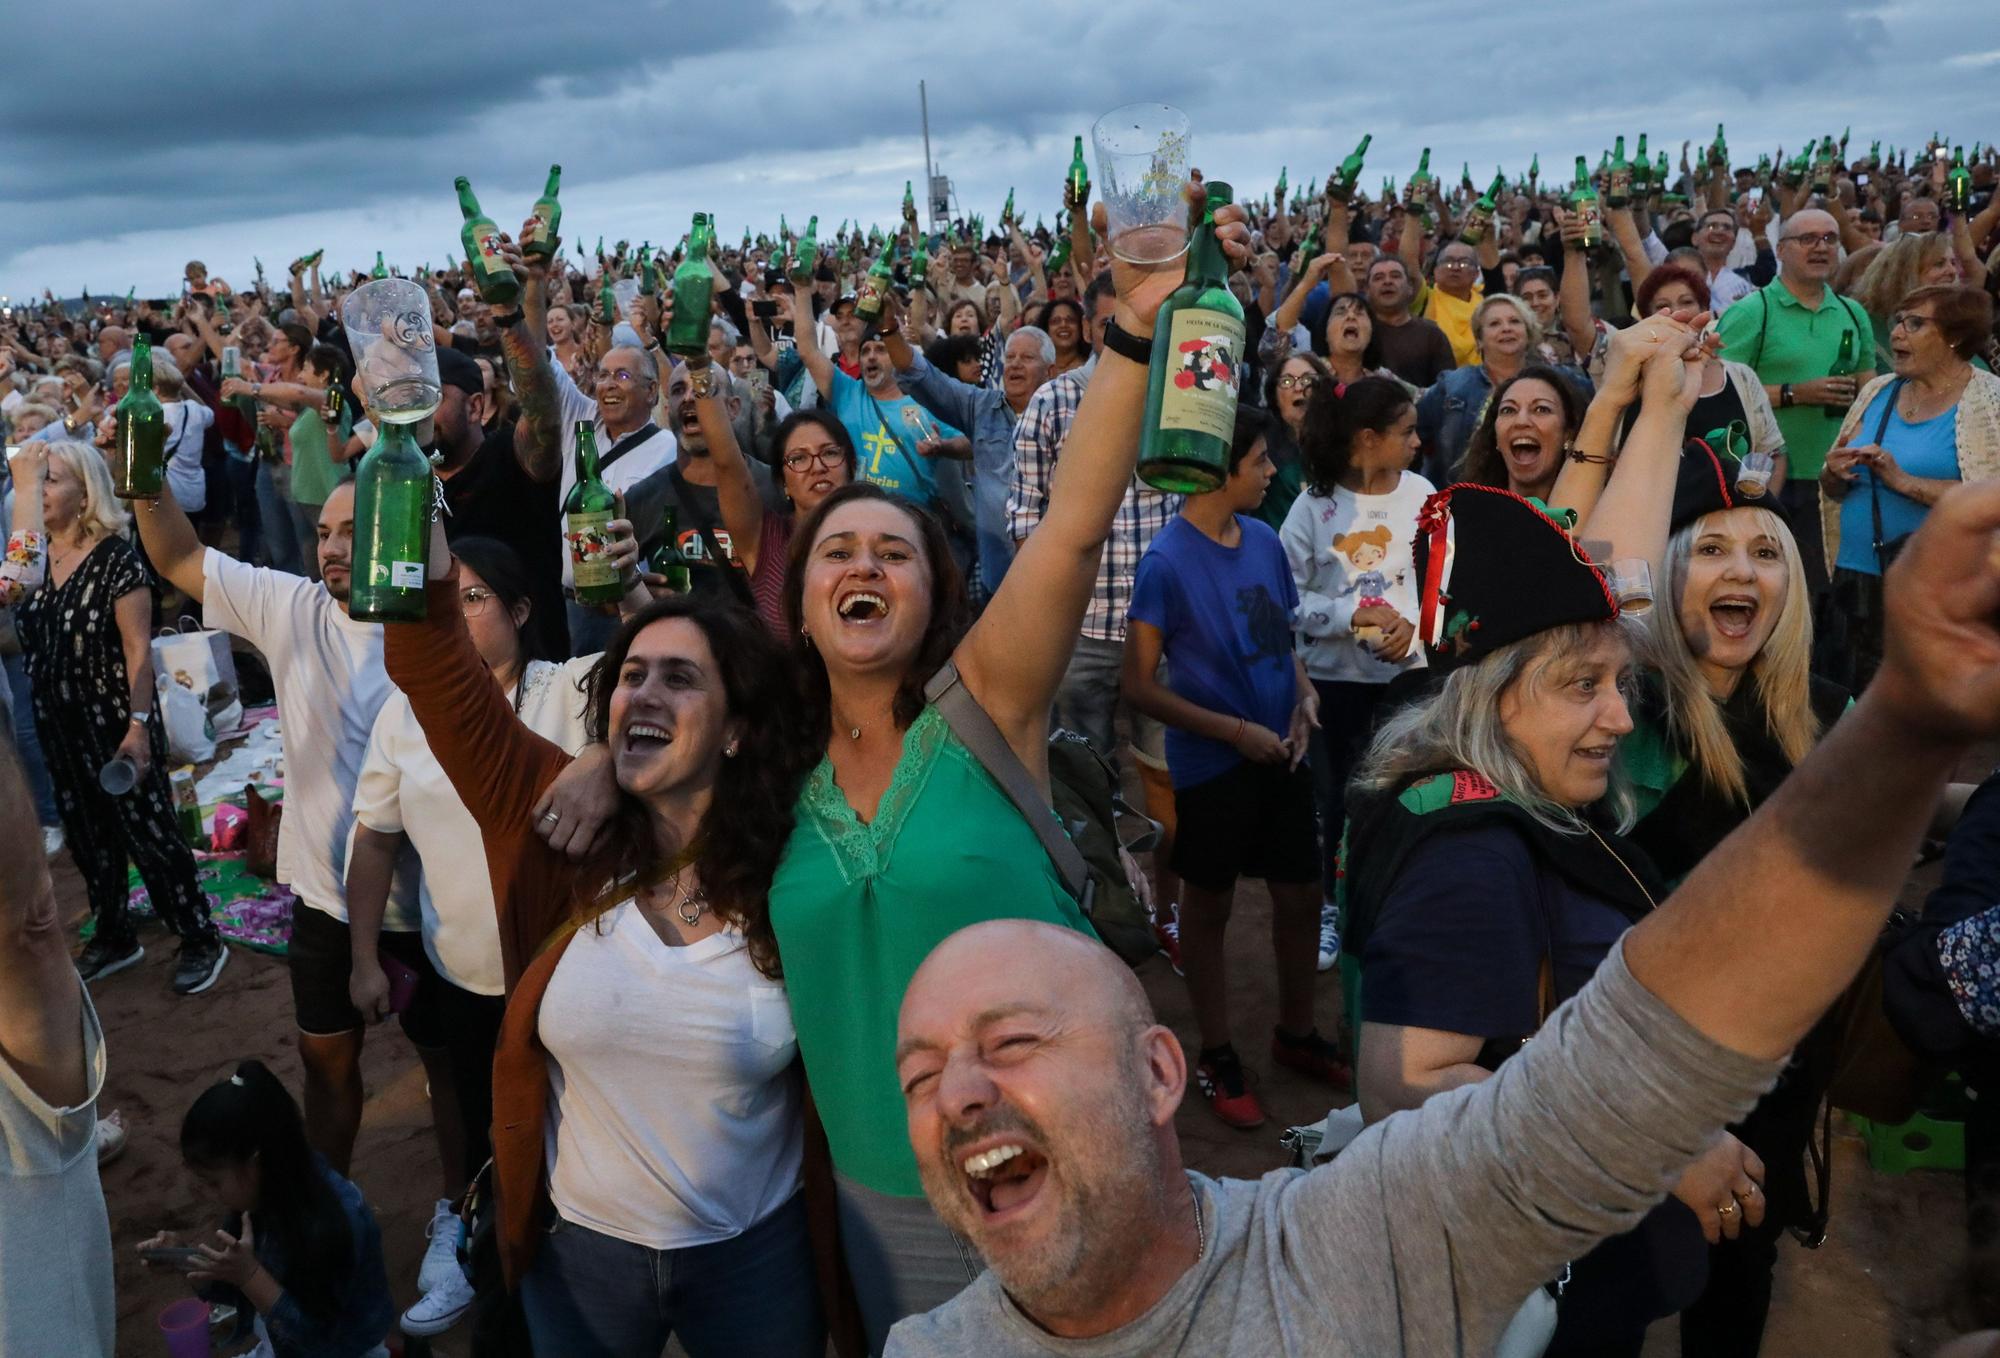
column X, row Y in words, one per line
column 1122, row 341
column 1785, row 395
column 509, row 320
column 141, row 718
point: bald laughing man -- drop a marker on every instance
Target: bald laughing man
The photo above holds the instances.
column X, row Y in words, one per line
column 1041, row 1097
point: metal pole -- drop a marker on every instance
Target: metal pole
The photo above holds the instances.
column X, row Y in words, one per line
column 930, row 203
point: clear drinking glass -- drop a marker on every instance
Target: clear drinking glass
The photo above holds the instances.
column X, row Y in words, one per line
column 1142, row 166
column 1753, row 477
column 395, row 354
column 1632, row 584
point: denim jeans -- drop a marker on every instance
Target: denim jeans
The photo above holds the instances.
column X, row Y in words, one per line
column 591, row 1295
column 274, row 512
column 28, row 744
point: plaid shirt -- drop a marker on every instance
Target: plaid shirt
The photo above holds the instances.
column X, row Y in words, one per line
column 1038, row 441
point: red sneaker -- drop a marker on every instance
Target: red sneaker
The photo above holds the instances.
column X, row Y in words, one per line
column 1167, row 934
column 1221, row 1081
column 1312, row 1055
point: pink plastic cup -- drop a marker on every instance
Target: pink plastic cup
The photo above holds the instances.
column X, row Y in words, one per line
column 185, row 1324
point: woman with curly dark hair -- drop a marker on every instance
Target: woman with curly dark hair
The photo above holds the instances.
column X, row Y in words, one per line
column 647, row 1116
column 1530, row 422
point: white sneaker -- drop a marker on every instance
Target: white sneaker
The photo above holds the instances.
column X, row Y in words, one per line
column 441, row 1257
column 52, row 840
column 440, row 1308
column 1329, row 936
column 110, row 1138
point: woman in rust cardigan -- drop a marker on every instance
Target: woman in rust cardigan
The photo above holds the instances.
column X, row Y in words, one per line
column 648, row 1120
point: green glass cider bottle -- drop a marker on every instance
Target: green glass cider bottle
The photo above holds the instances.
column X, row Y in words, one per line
column 587, row 512
column 1584, row 202
column 539, row 240
column 392, row 526
column 1341, row 183
column 1191, row 391
column 142, row 430
column 694, row 292
column 495, row 281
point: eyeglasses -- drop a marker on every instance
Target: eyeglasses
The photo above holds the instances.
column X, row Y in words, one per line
column 1457, row 263
column 1821, row 238
column 473, row 601
column 1298, row 381
column 1910, row 321
column 804, row 457
column 625, row 375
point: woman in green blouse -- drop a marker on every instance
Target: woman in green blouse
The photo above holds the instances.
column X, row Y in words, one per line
column 901, row 837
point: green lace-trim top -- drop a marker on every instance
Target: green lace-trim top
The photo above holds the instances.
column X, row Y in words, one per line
column 858, row 906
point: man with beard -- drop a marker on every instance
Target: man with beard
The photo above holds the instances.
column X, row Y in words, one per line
column 330, row 682
column 488, row 493
column 1040, row 1093
column 687, row 485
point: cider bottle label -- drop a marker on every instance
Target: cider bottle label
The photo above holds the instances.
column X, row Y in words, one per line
column 590, row 549
column 1203, row 348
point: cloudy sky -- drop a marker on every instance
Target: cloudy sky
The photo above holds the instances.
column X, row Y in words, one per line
column 224, row 131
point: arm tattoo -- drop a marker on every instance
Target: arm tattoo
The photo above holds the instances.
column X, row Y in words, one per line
column 537, row 435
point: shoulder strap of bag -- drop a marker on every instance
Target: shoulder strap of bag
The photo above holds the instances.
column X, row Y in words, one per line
column 1874, row 482
column 721, row 560
column 969, row 722
column 626, row 445
column 1763, row 320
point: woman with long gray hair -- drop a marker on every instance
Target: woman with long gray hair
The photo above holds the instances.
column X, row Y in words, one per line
column 1488, row 873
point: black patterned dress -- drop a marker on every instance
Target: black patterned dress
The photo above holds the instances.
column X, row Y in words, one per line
column 76, row 664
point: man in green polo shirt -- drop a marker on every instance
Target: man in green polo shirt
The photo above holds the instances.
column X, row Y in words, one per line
column 1790, row 332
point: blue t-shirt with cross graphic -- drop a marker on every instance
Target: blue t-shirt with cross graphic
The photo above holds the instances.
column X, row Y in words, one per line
column 886, row 435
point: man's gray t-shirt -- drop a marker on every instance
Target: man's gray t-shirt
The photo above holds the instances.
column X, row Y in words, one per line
column 1428, row 1232
column 55, row 1237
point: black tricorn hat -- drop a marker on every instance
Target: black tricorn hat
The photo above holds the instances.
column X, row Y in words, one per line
column 1495, row 567
column 1708, row 479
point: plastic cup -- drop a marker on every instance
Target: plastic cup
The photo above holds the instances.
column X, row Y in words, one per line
column 1632, row 584
column 185, row 1325
column 1142, row 168
column 118, row 777
column 1753, row 477
column 388, row 325
column 625, row 291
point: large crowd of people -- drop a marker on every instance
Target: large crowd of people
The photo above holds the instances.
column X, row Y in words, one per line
column 1599, row 594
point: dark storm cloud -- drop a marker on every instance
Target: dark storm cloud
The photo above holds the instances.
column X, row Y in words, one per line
column 226, row 130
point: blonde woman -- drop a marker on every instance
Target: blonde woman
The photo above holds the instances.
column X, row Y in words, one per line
column 1729, row 708
column 1919, row 260
column 86, row 635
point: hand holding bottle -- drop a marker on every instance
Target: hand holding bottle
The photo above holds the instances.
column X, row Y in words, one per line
column 1142, row 288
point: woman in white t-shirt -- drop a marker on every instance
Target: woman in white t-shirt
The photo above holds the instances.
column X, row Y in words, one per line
column 1348, row 539
column 187, row 430
column 403, row 796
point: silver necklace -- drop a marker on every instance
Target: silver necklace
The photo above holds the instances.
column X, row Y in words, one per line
column 1200, row 1231
column 688, row 905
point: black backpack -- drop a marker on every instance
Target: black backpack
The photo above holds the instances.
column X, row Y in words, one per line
column 1089, row 858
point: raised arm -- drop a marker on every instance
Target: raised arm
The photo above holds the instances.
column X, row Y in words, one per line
column 805, row 338
column 1016, row 653
column 1631, row 247
column 525, row 346
column 171, row 544
column 742, row 506
column 1631, row 513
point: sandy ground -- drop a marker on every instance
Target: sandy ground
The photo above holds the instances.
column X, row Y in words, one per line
column 1884, row 1283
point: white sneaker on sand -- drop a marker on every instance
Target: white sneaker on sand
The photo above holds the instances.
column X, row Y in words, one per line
column 441, row 1256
